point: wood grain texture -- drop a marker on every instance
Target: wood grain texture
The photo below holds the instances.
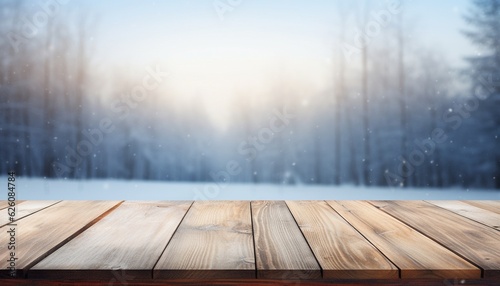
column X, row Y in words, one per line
column 492, row 206
column 340, row 250
column 413, row 253
column 213, row 241
column 26, row 209
column 281, row 250
column 43, row 232
column 4, row 204
column 475, row 242
column 250, row 282
column 129, row 240
column 111, row 243
column 483, row 216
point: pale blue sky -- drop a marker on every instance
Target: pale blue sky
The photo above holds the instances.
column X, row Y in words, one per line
column 149, row 29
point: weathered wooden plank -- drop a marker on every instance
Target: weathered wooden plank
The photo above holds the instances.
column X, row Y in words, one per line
column 483, row 216
column 5, row 204
column 416, row 255
column 119, row 281
column 130, row 239
column 123, row 281
column 43, row 232
column 473, row 241
column 213, row 241
column 340, row 250
column 492, row 206
column 280, row 248
column 26, row 209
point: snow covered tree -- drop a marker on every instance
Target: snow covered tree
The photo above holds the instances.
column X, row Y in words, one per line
column 484, row 21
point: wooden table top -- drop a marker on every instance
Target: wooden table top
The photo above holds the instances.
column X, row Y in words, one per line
column 346, row 242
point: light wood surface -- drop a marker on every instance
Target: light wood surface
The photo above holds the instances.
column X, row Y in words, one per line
column 40, row 234
column 27, row 208
column 131, row 238
column 237, row 242
column 280, row 248
column 413, row 253
column 483, row 216
column 4, row 204
column 340, row 250
column 213, row 241
column 473, row 241
column 492, row 206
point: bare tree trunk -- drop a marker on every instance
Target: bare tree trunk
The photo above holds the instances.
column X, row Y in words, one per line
column 436, row 165
column 402, row 96
column 366, row 115
column 317, row 159
column 338, row 116
column 9, row 132
column 353, row 166
column 339, row 102
column 49, row 121
column 84, row 168
column 497, row 174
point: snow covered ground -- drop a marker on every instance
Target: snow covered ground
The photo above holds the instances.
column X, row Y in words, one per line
column 50, row 189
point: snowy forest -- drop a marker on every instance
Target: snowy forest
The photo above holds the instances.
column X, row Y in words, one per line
column 394, row 112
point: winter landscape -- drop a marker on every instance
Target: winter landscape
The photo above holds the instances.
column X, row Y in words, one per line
column 249, row 100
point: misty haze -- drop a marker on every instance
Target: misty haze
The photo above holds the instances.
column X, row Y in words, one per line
column 203, row 96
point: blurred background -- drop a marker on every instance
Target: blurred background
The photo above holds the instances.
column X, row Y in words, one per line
column 373, row 93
